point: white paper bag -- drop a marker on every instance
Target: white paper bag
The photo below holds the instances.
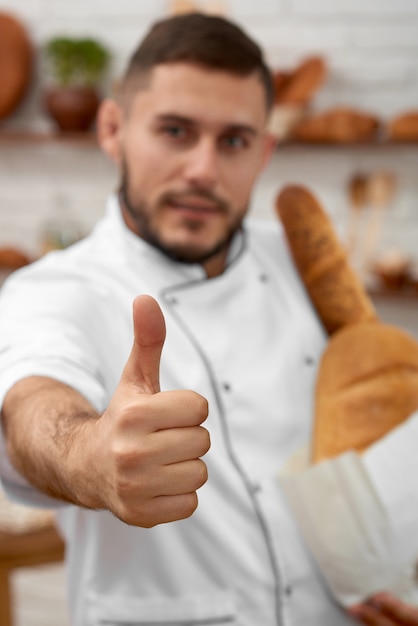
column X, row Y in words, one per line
column 361, row 544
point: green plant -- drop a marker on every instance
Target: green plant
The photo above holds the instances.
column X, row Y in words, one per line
column 74, row 61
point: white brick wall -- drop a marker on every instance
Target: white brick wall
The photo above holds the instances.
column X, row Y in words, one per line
column 372, row 50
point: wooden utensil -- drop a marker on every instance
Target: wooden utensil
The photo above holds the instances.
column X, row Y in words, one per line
column 357, row 194
column 380, row 192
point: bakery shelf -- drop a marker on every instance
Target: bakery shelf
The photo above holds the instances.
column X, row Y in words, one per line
column 405, row 295
column 377, row 143
column 42, row 137
column 89, row 138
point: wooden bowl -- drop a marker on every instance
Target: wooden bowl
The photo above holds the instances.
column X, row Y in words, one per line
column 16, row 61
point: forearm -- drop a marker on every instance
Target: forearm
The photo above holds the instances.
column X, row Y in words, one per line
column 140, row 459
column 45, row 423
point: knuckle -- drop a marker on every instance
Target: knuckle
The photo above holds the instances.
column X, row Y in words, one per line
column 133, row 411
column 122, row 490
column 130, row 452
column 123, row 456
column 131, row 484
column 126, row 414
column 137, row 517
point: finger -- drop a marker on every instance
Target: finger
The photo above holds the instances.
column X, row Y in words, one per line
column 178, row 408
column 399, row 611
column 161, row 510
column 171, row 480
column 370, row 616
column 174, row 445
column 143, row 366
column 145, row 413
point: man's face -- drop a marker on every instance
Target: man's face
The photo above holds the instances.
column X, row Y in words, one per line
column 191, row 146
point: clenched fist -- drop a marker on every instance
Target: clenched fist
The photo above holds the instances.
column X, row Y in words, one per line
column 149, row 442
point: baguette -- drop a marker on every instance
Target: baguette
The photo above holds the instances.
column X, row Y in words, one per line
column 333, row 286
column 367, row 381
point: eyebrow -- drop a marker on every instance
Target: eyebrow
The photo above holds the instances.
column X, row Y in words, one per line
column 187, row 121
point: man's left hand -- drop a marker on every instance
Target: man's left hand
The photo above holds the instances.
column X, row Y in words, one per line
column 383, row 609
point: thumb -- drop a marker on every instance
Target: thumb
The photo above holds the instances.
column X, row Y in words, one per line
column 142, row 368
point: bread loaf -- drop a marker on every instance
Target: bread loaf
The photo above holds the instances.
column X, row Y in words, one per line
column 367, row 385
column 367, row 380
column 299, row 86
column 404, row 127
column 12, row 258
column 338, row 125
column 332, row 284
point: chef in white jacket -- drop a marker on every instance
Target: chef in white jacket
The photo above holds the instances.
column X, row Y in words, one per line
column 109, row 407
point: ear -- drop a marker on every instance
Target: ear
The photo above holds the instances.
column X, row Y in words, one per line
column 270, row 145
column 108, row 124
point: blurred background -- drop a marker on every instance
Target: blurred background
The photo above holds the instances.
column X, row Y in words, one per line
column 346, row 122
column 346, row 116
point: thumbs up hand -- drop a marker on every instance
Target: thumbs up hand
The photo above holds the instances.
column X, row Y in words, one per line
column 150, row 442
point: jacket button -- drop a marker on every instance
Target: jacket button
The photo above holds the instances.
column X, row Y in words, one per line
column 226, row 386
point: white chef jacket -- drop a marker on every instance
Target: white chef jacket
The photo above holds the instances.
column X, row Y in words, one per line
column 249, row 341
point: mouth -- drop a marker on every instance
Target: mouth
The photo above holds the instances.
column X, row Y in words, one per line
column 195, row 203
column 194, row 208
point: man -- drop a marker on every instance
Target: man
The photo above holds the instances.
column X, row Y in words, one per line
column 85, row 424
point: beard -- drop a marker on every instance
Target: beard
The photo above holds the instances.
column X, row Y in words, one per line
column 141, row 213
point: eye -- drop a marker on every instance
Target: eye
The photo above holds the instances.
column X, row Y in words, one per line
column 175, row 131
column 177, row 135
column 234, row 142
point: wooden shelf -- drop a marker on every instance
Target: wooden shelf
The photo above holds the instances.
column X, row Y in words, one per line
column 405, row 295
column 377, row 143
column 40, row 137
column 89, row 138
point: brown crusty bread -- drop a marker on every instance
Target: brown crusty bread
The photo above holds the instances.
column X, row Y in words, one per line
column 367, row 380
column 367, row 385
column 280, row 80
column 342, row 125
column 404, row 127
column 13, row 258
column 299, row 86
column 321, row 259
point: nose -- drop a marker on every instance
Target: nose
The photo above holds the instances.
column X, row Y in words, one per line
column 202, row 167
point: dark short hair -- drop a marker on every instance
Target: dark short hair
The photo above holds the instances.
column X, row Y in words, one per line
column 206, row 40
